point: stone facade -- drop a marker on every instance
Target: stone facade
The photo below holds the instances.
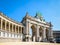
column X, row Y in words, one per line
column 34, row 29
column 41, row 30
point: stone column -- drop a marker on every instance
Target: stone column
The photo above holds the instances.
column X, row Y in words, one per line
column 12, row 28
column 27, row 28
column 18, row 29
column 5, row 30
column 44, row 34
column 1, row 23
column 50, row 33
column 34, row 38
column 27, row 32
column 37, row 33
column 21, row 30
column 15, row 28
column 9, row 27
column 9, row 31
column 21, row 33
column 5, row 25
column 1, row 27
column 29, row 38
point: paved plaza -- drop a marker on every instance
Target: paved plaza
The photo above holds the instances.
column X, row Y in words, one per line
column 28, row 43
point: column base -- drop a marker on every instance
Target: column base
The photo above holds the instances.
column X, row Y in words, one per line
column 28, row 38
column 33, row 39
column 38, row 39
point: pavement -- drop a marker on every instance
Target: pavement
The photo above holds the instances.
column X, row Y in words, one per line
column 27, row 43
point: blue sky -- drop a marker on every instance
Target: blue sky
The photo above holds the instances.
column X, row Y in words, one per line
column 16, row 9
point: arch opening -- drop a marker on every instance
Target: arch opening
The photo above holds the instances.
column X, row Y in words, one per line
column 32, row 32
column 40, row 33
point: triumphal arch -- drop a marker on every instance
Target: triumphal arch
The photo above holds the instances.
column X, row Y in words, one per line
column 36, row 28
column 33, row 29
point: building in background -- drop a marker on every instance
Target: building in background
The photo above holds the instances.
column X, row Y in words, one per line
column 56, row 35
column 33, row 29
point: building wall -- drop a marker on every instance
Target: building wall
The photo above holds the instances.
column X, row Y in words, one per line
column 56, row 35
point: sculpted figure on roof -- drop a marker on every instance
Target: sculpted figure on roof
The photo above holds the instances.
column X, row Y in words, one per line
column 39, row 16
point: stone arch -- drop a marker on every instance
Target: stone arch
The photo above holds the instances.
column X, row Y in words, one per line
column 41, row 33
column 33, row 31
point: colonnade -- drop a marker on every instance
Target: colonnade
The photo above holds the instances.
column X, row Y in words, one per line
column 10, row 30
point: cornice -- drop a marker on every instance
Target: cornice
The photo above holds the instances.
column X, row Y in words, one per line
column 1, row 14
column 34, row 19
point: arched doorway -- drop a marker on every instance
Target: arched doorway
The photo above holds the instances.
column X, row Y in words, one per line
column 33, row 33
